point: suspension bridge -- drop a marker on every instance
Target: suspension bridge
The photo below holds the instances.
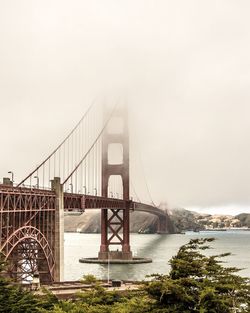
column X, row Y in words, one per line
column 90, row 169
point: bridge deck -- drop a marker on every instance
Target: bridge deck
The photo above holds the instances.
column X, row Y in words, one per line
column 18, row 198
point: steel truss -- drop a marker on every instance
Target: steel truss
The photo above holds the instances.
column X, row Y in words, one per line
column 81, row 202
column 27, row 219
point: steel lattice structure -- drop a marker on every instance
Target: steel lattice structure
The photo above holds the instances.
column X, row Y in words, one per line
column 27, row 232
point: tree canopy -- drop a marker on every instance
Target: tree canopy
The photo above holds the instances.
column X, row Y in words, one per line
column 200, row 283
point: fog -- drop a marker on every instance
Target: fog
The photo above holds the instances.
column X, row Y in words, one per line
column 183, row 66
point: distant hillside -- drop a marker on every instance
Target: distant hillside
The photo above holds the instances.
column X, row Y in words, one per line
column 189, row 220
column 89, row 222
column 186, row 220
column 244, row 218
column 182, row 219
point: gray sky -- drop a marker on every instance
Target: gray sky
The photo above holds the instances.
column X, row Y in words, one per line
column 184, row 65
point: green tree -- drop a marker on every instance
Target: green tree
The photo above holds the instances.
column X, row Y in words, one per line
column 89, row 279
column 16, row 300
column 98, row 295
column 199, row 283
column 135, row 304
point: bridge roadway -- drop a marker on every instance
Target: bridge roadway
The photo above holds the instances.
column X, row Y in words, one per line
column 21, row 198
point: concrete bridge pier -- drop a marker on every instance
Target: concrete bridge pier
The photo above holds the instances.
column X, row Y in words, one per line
column 57, row 187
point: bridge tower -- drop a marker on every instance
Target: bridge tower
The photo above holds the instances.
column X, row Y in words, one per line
column 115, row 222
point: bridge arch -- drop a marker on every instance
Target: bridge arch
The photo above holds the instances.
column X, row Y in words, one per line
column 27, row 252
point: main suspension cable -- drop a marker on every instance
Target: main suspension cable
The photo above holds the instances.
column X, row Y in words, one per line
column 60, row 145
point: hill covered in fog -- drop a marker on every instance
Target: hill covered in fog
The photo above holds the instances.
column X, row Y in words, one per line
column 182, row 219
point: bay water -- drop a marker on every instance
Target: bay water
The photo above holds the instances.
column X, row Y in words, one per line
column 160, row 248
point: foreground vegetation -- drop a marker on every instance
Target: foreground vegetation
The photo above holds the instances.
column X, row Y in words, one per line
column 196, row 283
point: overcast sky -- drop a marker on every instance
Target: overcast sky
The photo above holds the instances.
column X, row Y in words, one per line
column 184, row 66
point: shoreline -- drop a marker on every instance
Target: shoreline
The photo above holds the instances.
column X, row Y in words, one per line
column 177, row 233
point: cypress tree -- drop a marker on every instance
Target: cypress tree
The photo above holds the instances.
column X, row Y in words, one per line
column 199, row 283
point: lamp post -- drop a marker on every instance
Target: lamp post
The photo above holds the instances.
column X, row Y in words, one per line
column 12, row 176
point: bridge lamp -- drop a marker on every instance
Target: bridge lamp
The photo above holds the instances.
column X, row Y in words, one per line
column 12, row 176
column 37, row 181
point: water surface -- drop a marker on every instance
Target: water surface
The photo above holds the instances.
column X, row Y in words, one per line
column 160, row 248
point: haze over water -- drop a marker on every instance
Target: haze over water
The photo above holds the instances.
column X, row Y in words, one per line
column 158, row 247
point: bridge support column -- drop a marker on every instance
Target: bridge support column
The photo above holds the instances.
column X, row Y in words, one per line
column 127, row 254
column 162, row 225
column 103, row 254
column 59, row 230
column 115, row 222
column 165, row 225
